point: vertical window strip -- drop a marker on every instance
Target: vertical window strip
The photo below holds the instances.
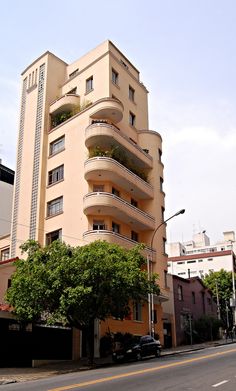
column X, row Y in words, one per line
column 18, row 169
column 37, row 149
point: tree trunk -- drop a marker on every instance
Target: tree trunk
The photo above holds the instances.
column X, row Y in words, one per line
column 90, row 342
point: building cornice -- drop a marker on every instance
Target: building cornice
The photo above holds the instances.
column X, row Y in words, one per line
column 200, row 255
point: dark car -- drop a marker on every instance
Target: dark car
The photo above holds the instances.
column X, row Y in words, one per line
column 147, row 346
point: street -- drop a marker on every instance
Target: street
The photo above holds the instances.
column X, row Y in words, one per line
column 208, row 369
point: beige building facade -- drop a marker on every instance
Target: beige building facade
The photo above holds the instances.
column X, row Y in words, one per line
column 88, row 167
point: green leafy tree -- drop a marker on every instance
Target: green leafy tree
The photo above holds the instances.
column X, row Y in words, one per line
column 220, row 284
column 75, row 286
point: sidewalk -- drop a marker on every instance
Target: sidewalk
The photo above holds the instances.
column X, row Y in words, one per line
column 12, row 375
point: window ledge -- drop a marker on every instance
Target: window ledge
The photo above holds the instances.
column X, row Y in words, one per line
column 54, row 183
column 115, row 84
column 88, row 92
column 56, row 153
column 56, row 214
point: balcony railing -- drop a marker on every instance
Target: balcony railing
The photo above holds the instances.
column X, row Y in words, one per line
column 113, row 205
column 112, row 237
column 114, row 171
column 107, row 108
column 106, row 135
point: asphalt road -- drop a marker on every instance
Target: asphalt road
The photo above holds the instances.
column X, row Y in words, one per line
column 208, row 369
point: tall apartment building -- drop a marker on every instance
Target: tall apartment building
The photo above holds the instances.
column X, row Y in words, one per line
column 88, row 167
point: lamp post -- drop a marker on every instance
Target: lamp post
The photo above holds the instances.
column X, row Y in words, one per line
column 149, row 269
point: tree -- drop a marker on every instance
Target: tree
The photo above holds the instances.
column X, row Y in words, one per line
column 75, row 286
column 220, row 284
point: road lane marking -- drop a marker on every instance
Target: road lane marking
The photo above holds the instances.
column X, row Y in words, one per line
column 220, row 384
column 141, row 371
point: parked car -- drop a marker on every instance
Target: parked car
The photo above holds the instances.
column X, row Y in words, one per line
column 147, row 346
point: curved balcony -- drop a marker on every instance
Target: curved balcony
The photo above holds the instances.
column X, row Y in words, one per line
column 107, row 108
column 64, row 104
column 107, row 204
column 108, row 169
column 113, row 237
column 108, row 136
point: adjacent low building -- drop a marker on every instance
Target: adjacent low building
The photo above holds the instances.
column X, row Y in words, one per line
column 192, row 300
column 198, row 257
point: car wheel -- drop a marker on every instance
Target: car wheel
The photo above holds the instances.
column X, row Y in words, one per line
column 138, row 356
column 158, row 353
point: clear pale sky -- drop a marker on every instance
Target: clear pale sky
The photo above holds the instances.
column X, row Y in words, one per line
column 185, row 51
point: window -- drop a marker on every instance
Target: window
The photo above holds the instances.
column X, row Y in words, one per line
column 124, row 64
column 137, row 311
column 115, row 192
column 74, row 73
column 115, row 77
column 209, row 301
column 210, row 259
column 180, row 263
column 164, row 245
column 55, row 206
column 5, row 254
column 73, row 91
column 134, row 202
column 193, row 298
column 89, row 84
column 9, row 283
column 200, row 260
column 131, row 93
column 57, row 145
column 181, row 274
column 180, row 293
column 134, row 236
column 183, row 321
column 159, row 154
column 162, row 214
column 161, row 183
column 115, row 227
column 98, row 225
column 56, row 175
column 98, row 188
column 131, row 119
column 191, row 261
column 55, row 235
column 165, row 278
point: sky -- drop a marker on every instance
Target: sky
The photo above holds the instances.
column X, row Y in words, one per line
column 185, row 51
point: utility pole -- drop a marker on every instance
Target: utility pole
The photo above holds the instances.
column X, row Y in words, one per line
column 190, row 328
column 217, row 301
column 227, row 315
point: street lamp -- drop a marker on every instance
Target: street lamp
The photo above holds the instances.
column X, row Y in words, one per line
column 149, row 269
